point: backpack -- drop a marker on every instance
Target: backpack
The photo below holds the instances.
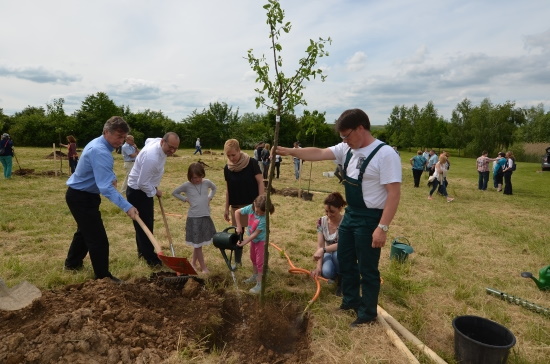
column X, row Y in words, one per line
column 514, row 166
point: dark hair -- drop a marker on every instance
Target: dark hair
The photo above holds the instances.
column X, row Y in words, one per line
column 261, row 202
column 71, row 139
column 116, row 123
column 335, row 199
column 195, row 169
column 351, row 119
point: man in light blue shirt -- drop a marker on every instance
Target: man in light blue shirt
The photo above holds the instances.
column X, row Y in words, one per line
column 93, row 177
column 432, row 161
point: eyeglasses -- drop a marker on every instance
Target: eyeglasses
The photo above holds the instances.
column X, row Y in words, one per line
column 347, row 136
column 170, row 147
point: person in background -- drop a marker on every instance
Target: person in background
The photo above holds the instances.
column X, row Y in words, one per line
column 6, row 154
column 418, row 163
column 266, row 159
column 426, row 156
column 72, row 155
column 432, row 160
column 255, row 215
column 199, row 227
column 440, row 177
column 297, row 164
column 396, row 151
column 326, row 254
column 372, row 180
column 243, row 178
column 143, row 183
column 278, row 160
column 258, row 155
column 498, row 168
column 507, row 171
column 129, row 154
column 93, row 177
column 198, row 147
column 483, row 170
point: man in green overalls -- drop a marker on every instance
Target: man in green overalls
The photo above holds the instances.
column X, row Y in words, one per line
column 372, row 182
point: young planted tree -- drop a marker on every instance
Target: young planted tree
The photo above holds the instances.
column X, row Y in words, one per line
column 280, row 92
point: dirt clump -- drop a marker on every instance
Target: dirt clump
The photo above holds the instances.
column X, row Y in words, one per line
column 152, row 320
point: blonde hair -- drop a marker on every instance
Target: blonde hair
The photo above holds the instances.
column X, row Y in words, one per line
column 442, row 159
column 231, row 144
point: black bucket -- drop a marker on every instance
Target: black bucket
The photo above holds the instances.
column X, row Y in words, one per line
column 481, row 341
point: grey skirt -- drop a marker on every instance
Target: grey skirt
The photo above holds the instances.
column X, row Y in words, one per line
column 199, row 231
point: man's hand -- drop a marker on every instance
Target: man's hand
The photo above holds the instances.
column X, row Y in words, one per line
column 132, row 212
column 378, row 238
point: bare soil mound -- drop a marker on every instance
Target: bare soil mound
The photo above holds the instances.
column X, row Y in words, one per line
column 150, row 321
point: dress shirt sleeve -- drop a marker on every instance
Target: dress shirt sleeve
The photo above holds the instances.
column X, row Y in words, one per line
column 102, row 167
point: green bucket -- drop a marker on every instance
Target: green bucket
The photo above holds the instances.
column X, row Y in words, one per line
column 400, row 249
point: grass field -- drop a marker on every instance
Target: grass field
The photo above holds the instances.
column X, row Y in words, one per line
column 480, row 240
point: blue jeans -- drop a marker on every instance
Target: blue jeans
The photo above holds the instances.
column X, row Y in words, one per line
column 483, row 180
column 297, row 168
column 442, row 188
column 331, row 268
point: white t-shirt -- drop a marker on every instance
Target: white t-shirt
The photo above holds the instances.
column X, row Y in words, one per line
column 384, row 168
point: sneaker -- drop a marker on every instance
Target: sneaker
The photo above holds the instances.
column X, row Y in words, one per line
column 450, row 199
column 250, row 279
column 256, row 289
column 359, row 321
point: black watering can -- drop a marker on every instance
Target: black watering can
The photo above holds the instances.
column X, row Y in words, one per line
column 228, row 241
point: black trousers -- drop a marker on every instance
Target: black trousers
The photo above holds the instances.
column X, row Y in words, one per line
column 146, row 208
column 90, row 236
column 417, row 173
column 508, row 182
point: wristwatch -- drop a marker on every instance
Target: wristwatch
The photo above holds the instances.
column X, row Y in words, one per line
column 385, row 228
column 324, row 250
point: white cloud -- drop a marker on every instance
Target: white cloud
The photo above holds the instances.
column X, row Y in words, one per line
column 357, row 62
column 178, row 56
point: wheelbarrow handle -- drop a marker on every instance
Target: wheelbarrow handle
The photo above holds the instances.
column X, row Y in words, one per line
column 149, row 235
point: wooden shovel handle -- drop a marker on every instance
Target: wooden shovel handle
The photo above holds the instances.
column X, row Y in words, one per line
column 149, row 235
column 166, row 225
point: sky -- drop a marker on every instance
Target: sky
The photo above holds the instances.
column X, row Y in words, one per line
column 178, row 56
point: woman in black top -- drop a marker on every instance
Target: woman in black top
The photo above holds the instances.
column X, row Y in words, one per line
column 243, row 178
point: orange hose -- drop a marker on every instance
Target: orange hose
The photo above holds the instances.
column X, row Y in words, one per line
column 293, row 269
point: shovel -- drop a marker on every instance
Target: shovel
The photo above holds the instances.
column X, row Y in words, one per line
column 17, row 297
column 180, row 265
column 166, row 226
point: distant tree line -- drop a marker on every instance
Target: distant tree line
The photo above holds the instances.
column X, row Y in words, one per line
column 39, row 127
column 471, row 129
